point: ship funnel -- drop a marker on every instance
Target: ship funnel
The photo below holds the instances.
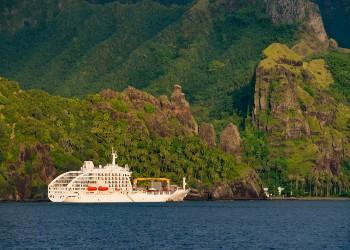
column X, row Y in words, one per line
column 184, row 183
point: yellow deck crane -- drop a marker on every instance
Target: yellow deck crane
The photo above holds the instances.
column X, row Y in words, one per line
column 167, row 180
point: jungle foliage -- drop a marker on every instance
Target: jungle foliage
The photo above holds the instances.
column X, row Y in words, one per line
column 80, row 48
column 77, row 48
column 76, row 130
column 339, row 64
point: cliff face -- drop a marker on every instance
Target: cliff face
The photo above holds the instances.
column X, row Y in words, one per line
column 207, row 133
column 246, row 188
column 275, row 93
column 294, row 106
column 230, row 140
column 162, row 112
column 30, row 182
column 314, row 38
column 181, row 108
column 249, row 187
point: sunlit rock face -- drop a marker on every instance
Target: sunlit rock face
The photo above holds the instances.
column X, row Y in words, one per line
column 230, row 140
column 294, row 107
column 207, row 133
column 181, row 108
column 314, row 38
column 246, row 188
column 45, row 172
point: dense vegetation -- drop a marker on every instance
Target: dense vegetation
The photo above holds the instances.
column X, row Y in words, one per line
column 206, row 46
column 38, row 130
column 339, row 64
column 77, row 48
column 306, row 121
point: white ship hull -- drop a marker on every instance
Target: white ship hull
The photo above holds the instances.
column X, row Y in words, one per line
column 135, row 196
column 110, row 183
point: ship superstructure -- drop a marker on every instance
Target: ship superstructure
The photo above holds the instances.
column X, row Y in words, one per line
column 111, row 183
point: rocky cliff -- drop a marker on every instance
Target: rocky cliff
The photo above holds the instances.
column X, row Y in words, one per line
column 207, row 133
column 31, row 184
column 162, row 112
column 230, row 140
column 275, row 92
column 293, row 105
column 181, row 109
column 246, row 188
column 314, row 38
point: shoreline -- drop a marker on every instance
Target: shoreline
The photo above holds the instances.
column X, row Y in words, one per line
column 195, row 200
column 311, row 198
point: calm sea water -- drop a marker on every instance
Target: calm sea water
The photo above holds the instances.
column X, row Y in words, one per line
column 187, row 225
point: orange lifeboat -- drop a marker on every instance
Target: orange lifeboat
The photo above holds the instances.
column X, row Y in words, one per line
column 91, row 188
column 101, row 188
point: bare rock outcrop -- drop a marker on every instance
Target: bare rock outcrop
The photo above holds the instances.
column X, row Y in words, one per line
column 314, row 36
column 276, row 93
column 181, row 108
column 108, row 94
column 230, row 140
column 292, row 103
column 139, row 98
column 159, row 116
column 207, row 133
column 24, row 178
column 164, row 102
column 246, row 188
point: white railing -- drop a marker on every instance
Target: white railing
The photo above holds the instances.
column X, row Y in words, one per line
column 57, row 189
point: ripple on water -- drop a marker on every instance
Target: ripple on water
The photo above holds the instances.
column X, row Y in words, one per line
column 187, row 225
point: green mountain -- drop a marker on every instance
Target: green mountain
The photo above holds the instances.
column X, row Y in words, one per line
column 74, row 48
column 271, row 86
column 43, row 135
column 306, row 120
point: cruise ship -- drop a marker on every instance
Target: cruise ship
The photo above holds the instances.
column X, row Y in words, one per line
column 112, row 183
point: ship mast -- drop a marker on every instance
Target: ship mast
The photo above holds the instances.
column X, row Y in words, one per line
column 114, row 156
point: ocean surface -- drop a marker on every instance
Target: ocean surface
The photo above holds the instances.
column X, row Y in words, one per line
column 187, row 225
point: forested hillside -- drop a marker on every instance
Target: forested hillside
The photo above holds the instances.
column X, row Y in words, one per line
column 74, row 48
column 42, row 136
column 269, row 93
column 305, row 115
